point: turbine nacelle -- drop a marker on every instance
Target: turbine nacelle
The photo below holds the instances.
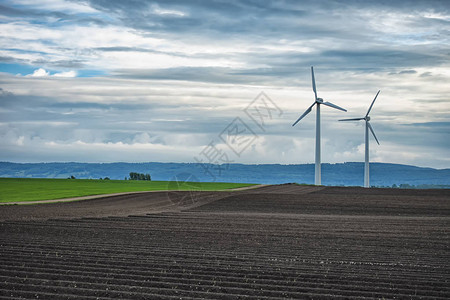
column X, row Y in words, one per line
column 367, row 118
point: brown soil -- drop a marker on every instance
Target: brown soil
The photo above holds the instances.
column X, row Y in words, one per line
column 274, row 242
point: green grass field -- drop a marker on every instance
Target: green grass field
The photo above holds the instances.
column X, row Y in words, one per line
column 32, row 189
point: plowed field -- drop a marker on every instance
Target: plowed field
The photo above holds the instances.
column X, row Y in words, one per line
column 273, row 242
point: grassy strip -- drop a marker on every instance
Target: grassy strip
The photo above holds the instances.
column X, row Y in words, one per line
column 32, row 189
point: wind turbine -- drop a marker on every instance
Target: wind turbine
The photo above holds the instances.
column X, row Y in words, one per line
column 318, row 102
column 368, row 126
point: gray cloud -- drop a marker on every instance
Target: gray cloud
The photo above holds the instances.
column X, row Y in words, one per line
column 426, row 74
column 67, row 64
column 403, row 72
column 12, row 59
column 208, row 74
column 263, row 21
column 225, row 17
column 57, row 16
column 115, row 122
column 384, row 58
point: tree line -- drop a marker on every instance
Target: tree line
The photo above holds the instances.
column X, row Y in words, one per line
column 140, row 176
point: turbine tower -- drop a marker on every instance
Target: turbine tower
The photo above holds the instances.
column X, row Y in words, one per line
column 318, row 102
column 368, row 126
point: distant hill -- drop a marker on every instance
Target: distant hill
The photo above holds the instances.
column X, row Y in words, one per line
column 347, row 174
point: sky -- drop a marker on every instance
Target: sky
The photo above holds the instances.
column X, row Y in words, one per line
column 223, row 81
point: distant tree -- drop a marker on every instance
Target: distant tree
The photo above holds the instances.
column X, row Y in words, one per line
column 71, row 177
column 140, row 176
column 106, row 178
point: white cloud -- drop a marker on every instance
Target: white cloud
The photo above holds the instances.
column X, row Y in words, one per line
column 66, row 74
column 20, row 141
column 39, row 73
column 43, row 73
column 160, row 11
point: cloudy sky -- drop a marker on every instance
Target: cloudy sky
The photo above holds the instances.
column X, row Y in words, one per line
column 170, row 81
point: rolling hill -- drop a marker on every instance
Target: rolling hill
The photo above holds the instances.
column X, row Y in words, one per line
column 347, row 174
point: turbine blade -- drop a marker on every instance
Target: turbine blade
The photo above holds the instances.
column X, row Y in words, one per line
column 304, row 114
column 372, row 103
column 355, row 119
column 371, row 130
column 313, row 82
column 333, row 106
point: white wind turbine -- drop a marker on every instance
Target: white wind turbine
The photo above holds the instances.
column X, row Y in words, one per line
column 318, row 102
column 368, row 126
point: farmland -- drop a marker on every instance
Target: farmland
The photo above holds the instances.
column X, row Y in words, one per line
column 273, row 242
column 32, row 189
